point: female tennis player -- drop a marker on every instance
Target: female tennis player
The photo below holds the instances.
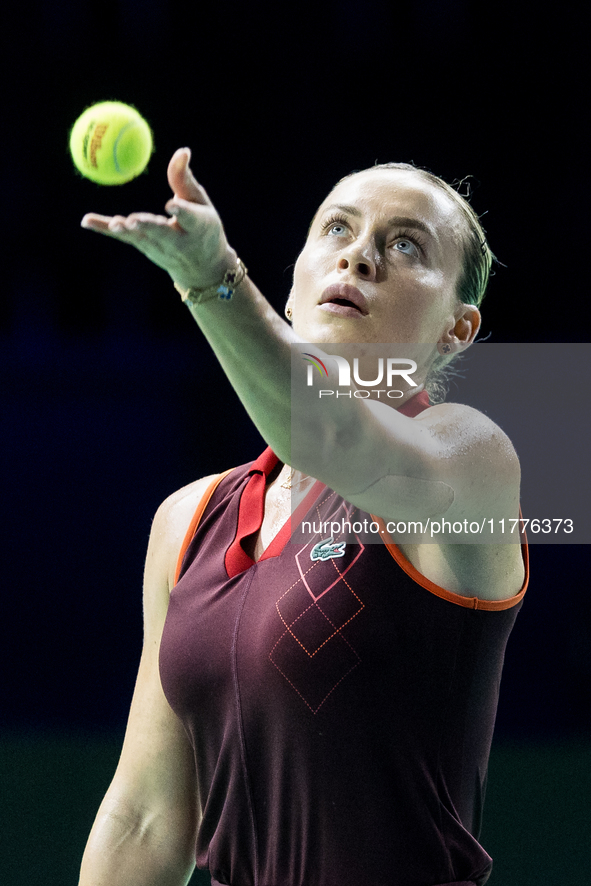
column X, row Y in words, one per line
column 320, row 713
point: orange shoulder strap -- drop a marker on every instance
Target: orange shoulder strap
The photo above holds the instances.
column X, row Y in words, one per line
column 203, row 502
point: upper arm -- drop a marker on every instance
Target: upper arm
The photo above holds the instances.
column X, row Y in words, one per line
column 450, row 459
column 156, row 773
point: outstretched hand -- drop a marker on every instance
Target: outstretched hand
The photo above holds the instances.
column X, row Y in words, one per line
column 191, row 245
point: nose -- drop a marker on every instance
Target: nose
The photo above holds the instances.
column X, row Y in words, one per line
column 360, row 259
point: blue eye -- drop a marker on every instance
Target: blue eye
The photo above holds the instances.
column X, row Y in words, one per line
column 332, row 229
column 406, row 246
column 333, row 223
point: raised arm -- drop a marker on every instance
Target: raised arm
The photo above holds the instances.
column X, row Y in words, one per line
column 450, row 460
column 144, row 832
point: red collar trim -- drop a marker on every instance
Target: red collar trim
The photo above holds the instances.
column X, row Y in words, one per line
column 265, row 463
column 237, row 560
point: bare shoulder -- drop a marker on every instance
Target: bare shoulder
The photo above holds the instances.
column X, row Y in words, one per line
column 476, row 458
column 463, row 428
column 170, row 525
column 481, row 464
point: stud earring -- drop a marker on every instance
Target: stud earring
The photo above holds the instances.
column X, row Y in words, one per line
column 289, row 313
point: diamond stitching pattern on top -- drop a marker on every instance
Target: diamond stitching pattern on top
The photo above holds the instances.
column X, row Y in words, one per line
column 305, row 700
column 312, row 654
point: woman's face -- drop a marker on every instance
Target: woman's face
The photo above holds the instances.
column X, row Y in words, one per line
column 381, row 263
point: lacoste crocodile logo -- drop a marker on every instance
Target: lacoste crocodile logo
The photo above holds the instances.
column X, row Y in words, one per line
column 327, row 548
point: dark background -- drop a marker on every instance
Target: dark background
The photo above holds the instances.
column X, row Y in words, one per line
column 110, row 398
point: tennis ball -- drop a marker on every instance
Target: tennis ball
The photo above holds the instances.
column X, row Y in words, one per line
column 110, row 143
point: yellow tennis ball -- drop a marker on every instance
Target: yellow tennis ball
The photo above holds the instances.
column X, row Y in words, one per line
column 110, row 143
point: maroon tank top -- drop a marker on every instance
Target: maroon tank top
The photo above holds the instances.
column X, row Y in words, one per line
column 341, row 710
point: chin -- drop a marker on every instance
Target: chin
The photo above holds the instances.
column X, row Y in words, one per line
column 338, row 331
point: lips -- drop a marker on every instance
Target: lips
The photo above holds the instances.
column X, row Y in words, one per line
column 342, row 298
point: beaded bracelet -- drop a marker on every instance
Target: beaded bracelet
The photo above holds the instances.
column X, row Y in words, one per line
column 224, row 290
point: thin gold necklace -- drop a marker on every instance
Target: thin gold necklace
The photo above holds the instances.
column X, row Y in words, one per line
column 287, row 483
column 288, row 480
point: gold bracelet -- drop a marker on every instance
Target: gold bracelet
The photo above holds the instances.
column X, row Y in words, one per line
column 224, row 290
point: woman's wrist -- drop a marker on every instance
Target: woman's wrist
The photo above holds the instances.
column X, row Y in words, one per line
column 231, row 274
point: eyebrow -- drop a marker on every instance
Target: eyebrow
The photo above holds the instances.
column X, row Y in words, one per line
column 400, row 220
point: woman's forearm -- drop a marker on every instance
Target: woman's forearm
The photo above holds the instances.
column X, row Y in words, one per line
column 129, row 848
column 319, row 437
column 253, row 346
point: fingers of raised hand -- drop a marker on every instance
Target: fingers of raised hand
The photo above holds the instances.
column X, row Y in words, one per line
column 95, row 222
column 191, row 216
column 144, row 224
column 182, row 181
column 132, row 228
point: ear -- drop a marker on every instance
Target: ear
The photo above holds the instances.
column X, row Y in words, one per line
column 466, row 323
